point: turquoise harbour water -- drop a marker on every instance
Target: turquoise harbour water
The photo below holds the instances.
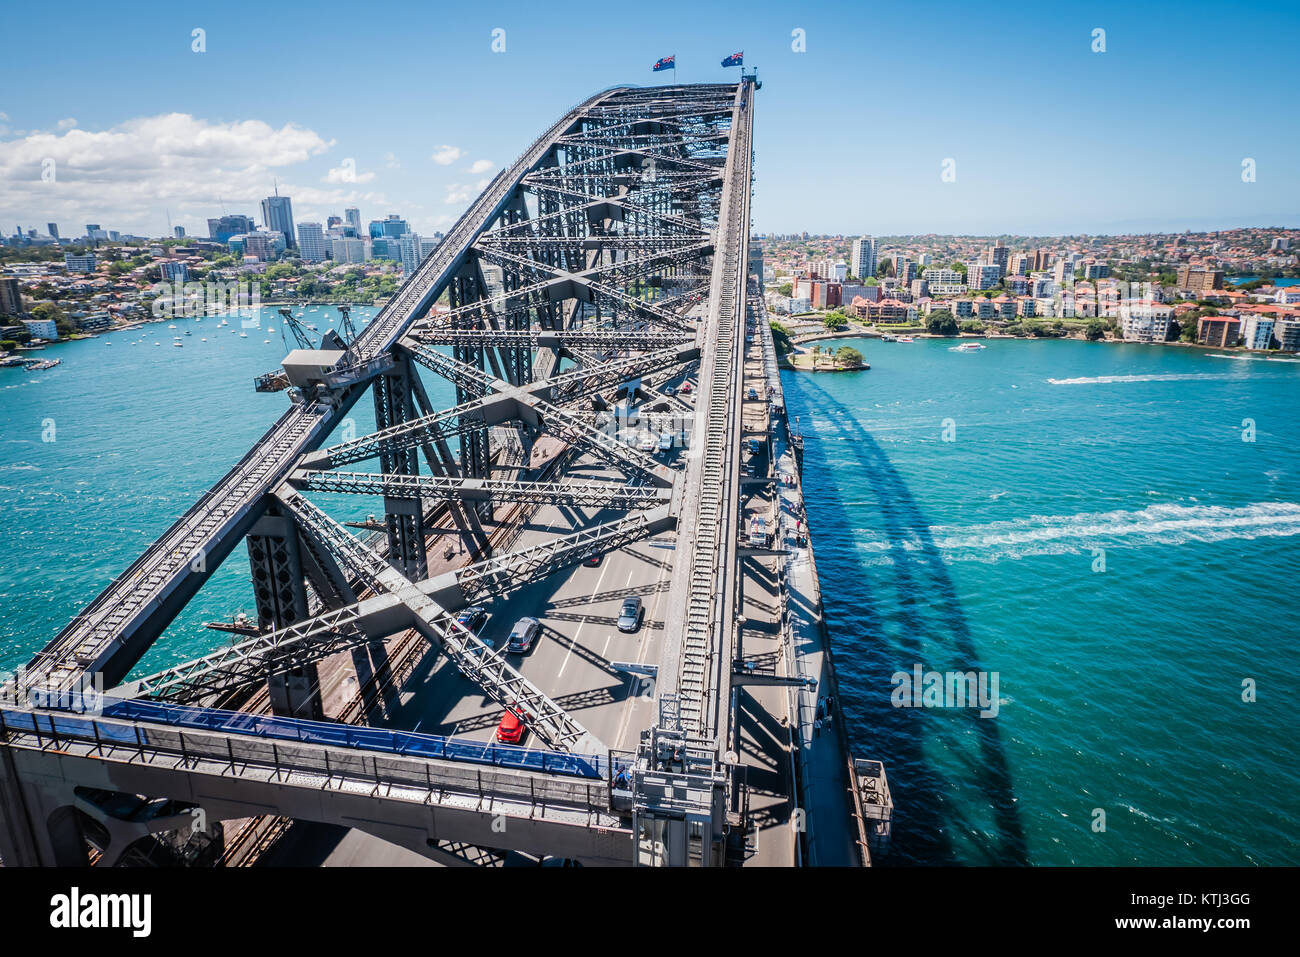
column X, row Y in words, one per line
column 1118, row 690
column 1120, row 684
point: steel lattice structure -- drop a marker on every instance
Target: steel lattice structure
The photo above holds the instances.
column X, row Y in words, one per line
column 611, row 251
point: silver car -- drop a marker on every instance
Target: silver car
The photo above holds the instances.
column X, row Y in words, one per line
column 630, row 615
column 523, row 634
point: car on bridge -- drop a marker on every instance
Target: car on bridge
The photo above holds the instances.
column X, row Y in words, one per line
column 472, row 619
column 522, row 635
column 512, row 729
column 631, row 614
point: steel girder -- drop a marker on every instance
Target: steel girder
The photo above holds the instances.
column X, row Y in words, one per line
column 577, row 494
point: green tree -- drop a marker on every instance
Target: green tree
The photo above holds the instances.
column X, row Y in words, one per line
column 1094, row 330
column 835, row 320
column 781, row 338
column 847, row 357
column 941, row 323
column 785, row 289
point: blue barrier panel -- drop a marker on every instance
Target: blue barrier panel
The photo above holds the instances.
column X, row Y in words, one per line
column 341, row 735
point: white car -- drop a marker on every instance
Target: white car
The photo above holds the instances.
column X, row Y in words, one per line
column 647, row 442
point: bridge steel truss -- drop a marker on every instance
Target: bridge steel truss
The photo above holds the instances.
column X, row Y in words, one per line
column 615, row 244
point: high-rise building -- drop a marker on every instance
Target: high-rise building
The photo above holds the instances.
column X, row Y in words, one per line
column 277, row 214
column 179, row 232
column 905, row 271
column 392, row 227
column 173, row 271
column 997, row 256
column 53, row 229
column 352, row 216
column 862, row 259
column 333, row 221
column 350, row 250
column 11, row 299
column 411, row 249
column 1145, row 321
column 982, row 275
column 223, row 228
column 265, row 244
column 1257, row 332
column 311, row 242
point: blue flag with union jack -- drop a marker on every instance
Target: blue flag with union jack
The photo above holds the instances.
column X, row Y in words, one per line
column 666, row 63
column 736, row 59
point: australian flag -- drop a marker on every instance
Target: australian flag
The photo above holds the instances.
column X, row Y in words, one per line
column 736, row 59
column 665, row 63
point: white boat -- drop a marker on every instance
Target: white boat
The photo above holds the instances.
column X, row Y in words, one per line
column 179, row 345
column 243, row 335
column 906, row 339
column 969, row 347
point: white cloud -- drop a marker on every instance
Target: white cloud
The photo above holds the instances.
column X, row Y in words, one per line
column 67, row 124
column 129, row 173
column 391, row 161
column 446, row 155
column 4, row 116
column 481, row 166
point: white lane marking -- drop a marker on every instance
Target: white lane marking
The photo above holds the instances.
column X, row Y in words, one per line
column 574, row 640
column 632, row 699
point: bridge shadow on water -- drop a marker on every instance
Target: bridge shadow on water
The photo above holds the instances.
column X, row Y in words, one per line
column 948, row 772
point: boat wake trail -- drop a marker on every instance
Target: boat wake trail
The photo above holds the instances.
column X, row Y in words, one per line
column 1075, row 534
column 1155, row 377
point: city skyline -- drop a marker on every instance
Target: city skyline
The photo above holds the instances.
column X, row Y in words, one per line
column 1066, row 141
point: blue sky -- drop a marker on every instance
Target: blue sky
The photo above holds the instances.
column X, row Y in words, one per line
column 1047, row 136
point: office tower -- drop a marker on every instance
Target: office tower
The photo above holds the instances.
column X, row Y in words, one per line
column 352, row 216
column 53, row 229
column 277, row 214
column 311, row 242
column 179, row 232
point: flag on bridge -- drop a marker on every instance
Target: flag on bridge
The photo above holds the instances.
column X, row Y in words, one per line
column 736, row 59
column 665, row 63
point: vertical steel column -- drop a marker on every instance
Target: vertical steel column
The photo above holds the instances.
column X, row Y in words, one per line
column 280, row 590
column 395, row 404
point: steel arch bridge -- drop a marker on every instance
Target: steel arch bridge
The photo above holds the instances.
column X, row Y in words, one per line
column 609, row 256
